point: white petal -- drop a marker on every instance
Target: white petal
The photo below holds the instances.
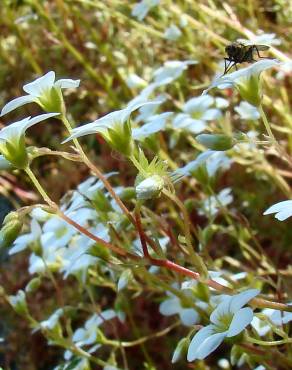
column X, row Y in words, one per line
column 41, row 84
column 239, row 300
column 106, row 315
column 87, row 129
column 134, row 105
column 287, row 317
column 15, row 103
column 204, row 342
column 156, row 123
column 200, row 103
column 4, row 164
column 170, row 307
column 211, row 114
column 39, row 118
column 209, row 345
column 66, row 83
column 240, row 320
column 198, row 339
column 286, row 204
column 189, row 316
column 284, row 214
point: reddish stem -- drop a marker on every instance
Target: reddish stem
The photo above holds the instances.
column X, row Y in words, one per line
column 108, row 245
column 141, row 234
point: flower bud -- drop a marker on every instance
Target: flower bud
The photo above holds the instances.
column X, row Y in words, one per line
column 150, row 187
column 10, row 230
column 216, row 141
column 127, row 193
column 180, row 350
column 120, row 138
column 100, row 202
column 51, row 100
column 4, row 164
column 33, row 285
column 18, row 302
column 249, row 89
column 15, row 152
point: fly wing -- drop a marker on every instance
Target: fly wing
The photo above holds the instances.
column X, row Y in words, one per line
column 261, row 47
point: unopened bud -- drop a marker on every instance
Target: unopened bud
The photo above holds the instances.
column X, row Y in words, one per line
column 150, row 187
column 10, row 230
column 218, row 142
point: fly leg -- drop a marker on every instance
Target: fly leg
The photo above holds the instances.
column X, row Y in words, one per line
column 227, row 68
column 258, row 53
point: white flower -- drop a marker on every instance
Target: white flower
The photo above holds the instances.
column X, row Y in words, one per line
column 170, row 71
column 134, row 81
column 88, row 334
column 141, row 9
column 109, row 121
column 39, row 91
column 234, row 78
column 197, row 113
column 221, row 103
column 283, row 210
column 12, row 143
column 247, row 111
column 57, row 233
column 153, row 125
column 23, row 241
column 18, row 302
column 213, row 160
column 148, row 111
column 172, row 33
column 173, row 306
column 276, row 317
column 227, row 320
column 53, row 320
column 212, row 204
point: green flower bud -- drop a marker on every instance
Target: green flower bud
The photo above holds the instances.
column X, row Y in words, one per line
column 127, row 193
column 120, row 138
column 51, row 100
column 100, row 251
column 10, row 230
column 12, row 140
column 150, row 187
column 216, row 141
column 180, row 350
column 33, row 285
column 15, row 152
column 249, row 89
column 101, row 202
column 18, row 302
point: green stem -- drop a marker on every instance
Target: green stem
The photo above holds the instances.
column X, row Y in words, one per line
column 272, row 137
column 96, row 171
column 141, row 340
column 80, row 228
column 197, row 260
column 40, row 189
column 269, row 343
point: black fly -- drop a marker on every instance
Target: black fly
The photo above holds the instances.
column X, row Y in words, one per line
column 239, row 53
